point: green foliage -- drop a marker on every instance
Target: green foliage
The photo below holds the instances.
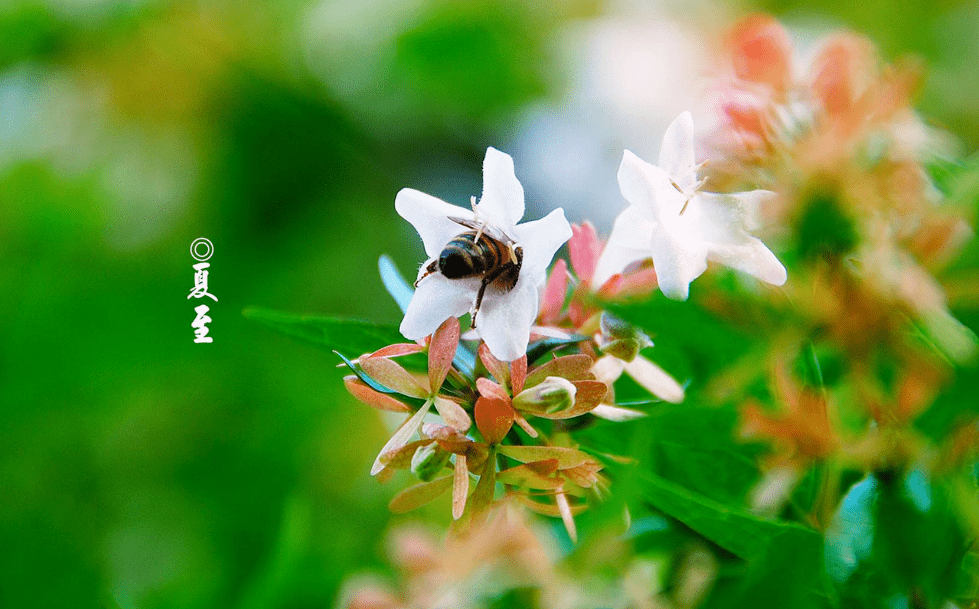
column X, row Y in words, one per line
column 329, row 333
column 824, row 230
column 785, row 566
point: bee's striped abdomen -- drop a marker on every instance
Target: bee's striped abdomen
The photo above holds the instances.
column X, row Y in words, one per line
column 465, row 257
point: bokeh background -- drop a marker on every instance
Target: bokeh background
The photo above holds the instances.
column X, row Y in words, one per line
column 138, row 469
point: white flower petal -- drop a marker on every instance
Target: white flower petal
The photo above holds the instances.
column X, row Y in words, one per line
column 616, row 414
column 628, row 243
column 430, row 217
column 540, row 239
column 678, row 258
column 654, row 379
column 435, row 300
column 648, row 188
column 723, row 224
column 505, row 318
column 676, row 156
column 502, row 203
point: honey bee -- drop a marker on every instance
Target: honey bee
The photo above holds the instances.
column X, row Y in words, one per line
column 484, row 252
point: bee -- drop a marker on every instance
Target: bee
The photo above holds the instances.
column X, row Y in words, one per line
column 484, row 252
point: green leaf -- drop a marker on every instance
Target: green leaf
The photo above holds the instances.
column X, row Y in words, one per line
column 691, row 343
column 784, row 558
column 692, row 445
column 329, row 333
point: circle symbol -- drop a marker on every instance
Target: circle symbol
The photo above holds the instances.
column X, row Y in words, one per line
column 208, row 249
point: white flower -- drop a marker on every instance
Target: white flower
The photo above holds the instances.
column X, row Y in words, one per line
column 680, row 227
column 505, row 317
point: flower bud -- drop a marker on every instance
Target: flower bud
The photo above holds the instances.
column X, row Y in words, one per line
column 428, row 461
column 551, row 395
column 621, row 339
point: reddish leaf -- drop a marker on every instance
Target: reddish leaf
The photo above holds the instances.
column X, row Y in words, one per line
column 589, row 395
column 518, row 374
column 390, row 374
column 419, row 495
column 571, row 367
column 397, row 350
column 460, row 487
column 524, row 425
column 566, row 457
column 498, row 369
column 374, row 399
column 548, row 509
column 452, row 413
column 441, row 350
column 400, row 458
column 532, row 475
column 494, row 418
column 489, row 389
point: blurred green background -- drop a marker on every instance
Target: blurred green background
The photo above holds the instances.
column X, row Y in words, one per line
column 138, row 469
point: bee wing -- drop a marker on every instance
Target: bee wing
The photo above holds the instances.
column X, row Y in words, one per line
column 488, row 230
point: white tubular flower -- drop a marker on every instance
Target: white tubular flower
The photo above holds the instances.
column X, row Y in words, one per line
column 505, row 315
column 680, row 227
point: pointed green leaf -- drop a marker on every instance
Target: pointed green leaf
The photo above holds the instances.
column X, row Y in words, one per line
column 329, row 333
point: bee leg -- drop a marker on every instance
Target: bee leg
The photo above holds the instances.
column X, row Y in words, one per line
column 482, row 289
column 431, row 268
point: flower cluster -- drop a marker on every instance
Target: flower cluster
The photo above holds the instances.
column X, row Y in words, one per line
column 829, row 160
column 501, row 402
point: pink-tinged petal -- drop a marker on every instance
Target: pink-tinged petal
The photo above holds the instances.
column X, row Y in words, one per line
column 676, row 156
column 584, row 248
column 678, row 260
column 489, row 389
column 430, row 217
column 374, row 399
column 723, row 218
column 390, row 374
column 498, row 369
column 540, row 240
column 452, row 413
column 655, row 380
column 435, row 300
column 502, row 203
column 505, row 318
column 397, row 350
column 641, row 282
column 518, row 374
column 460, row 487
column 554, row 293
column 441, row 351
column 761, row 51
column 628, row 243
column 494, row 418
